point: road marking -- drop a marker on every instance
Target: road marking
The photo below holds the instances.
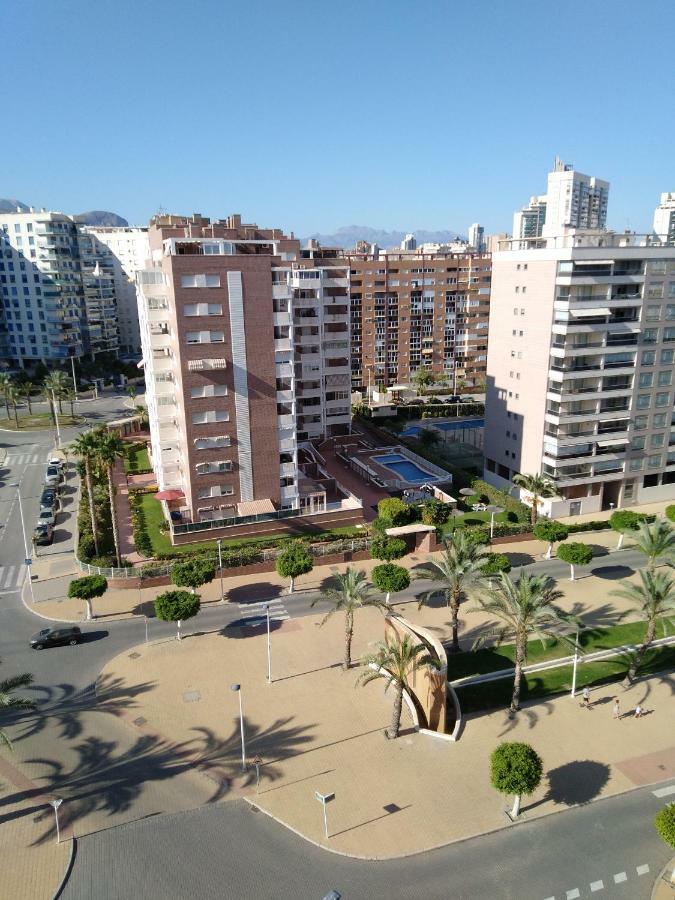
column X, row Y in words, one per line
column 11, row 577
column 620, row 877
column 597, row 885
column 642, row 870
column 664, row 792
column 257, row 610
column 573, row 894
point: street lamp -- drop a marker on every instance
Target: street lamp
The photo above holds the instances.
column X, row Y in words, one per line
column 266, row 607
column 576, row 660
column 56, row 420
column 494, row 511
column 237, row 689
column 72, row 362
column 25, row 541
column 220, row 568
column 56, row 803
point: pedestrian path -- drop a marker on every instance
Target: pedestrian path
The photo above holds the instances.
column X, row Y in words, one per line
column 12, row 577
column 278, row 611
column 30, row 458
column 599, row 885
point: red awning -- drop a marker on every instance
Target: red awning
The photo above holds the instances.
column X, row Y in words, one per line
column 170, row 495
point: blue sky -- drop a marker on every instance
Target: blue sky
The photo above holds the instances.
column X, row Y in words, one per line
column 309, row 116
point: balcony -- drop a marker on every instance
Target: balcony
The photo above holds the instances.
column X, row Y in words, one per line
column 281, row 344
column 202, row 365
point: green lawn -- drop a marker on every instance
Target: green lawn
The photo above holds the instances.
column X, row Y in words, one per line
column 137, row 459
column 472, row 518
column 39, row 420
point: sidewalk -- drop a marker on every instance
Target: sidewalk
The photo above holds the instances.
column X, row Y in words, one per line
column 316, row 731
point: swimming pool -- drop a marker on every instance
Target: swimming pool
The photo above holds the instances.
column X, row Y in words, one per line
column 405, row 469
column 414, row 430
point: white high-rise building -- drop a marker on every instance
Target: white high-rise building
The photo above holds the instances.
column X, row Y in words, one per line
column 122, row 252
column 476, row 237
column 664, row 218
column 409, row 242
column 528, row 222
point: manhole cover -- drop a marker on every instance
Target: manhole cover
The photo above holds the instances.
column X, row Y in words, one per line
column 191, row 697
column 140, row 721
column 134, row 655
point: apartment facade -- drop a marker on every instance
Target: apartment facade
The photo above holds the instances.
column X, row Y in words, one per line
column 245, row 342
column 121, row 252
column 664, row 218
column 413, row 310
column 580, row 369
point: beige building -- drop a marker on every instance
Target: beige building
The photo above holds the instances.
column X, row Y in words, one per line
column 580, row 369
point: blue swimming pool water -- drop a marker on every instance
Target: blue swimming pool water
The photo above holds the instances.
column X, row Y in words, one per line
column 414, row 430
column 404, row 468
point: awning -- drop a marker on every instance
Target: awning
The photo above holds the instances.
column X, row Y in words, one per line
column 593, row 262
column 616, row 441
column 170, row 495
column 596, row 311
column 254, row 507
column 410, row 529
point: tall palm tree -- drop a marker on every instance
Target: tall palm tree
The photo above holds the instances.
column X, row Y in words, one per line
column 7, row 687
column 110, row 449
column 142, row 413
column 70, row 396
column 539, row 486
column 86, row 446
column 524, row 608
column 458, row 571
column 12, row 398
column 25, row 389
column 396, row 663
column 5, row 383
column 353, row 592
column 656, row 541
column 653, row 599
column 55, row 386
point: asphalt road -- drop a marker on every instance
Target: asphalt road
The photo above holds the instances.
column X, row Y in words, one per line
column 227, row 850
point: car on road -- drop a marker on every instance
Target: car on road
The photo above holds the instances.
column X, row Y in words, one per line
column 55, row 461
column 454, row 399
column 56, row 636
column 53, row 476
column 43, row 535
column 47, row 517
column 48, row 499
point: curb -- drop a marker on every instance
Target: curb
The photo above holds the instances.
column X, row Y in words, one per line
column 69, row 868
column 662, row 881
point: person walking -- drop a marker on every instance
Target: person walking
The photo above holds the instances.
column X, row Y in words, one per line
column 638, row 712
column 615, row 709
column 587, row 698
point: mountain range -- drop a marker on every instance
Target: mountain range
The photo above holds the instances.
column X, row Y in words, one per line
column 99, row 217
column 348, row 235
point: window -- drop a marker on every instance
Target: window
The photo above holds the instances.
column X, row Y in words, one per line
column 670, row 309
column 205, row 337
column 648, row 357
column 206, row 468
column 659, row 420
column 665, row 377
column 638, row 443
column 655, row 291
column 209, row 390
column 646, row 379
column 653, row 314
column 195, row 281
column 635, row 465
column 212, row 443
column 650, row 335
column 662, row 399
column 208, row 416
column 643, row 401
column 656, row 441
column 669, row 334
column 202, row 309
column 667, row 357
column 215, row 490
column 654, row 462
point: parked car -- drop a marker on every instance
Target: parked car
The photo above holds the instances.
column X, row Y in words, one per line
column 48, row 499
column 55, row 461
column 454, row 399
column 43, row 535
column 56, row 636
column 47, row 517
column 53, row 476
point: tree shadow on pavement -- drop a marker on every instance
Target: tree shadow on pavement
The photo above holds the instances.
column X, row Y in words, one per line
column 575, row 783
column 519, row 559
column 257, row 592
column 612, row 573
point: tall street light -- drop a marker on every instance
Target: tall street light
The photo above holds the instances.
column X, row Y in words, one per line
column 494, row 511
column 237, row 689
column 25, row 541
column 220, row 568
column 56, row 420
column 266, row 607
column 72, row 363
column 56, row 803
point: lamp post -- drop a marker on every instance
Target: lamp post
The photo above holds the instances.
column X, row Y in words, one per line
column 72, row 362
column 237, row 689
column 576, row 660
column 266, row 607
column 494, row 511
column 220, row 569
column 25, row 541
column 56, row 420
column 56, row 803
column 324, row 799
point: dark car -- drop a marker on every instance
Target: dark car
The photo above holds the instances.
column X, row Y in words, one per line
column 454, row 399
column 48, row 499
column 55, row 636
column 43, row 535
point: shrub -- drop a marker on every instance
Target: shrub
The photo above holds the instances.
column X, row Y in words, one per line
column 193, row 573
column 87, row 589
column 387, row 548
column 496, row 563
column 435, row 513
column 670, row 514
column 664, row 822
column 176, row 606
column 86, row 547
column 515, row 768
column 293, row 561
column 395, row 512
column 575, row 555
column 550, row 531
column 390, row 578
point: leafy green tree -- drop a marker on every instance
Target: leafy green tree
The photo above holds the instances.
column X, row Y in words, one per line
column 177, row 606
column 86, row 447
column 7, row 701
column 623, row 520
column 351, row 594
column 390, row 578
column 395, row 512
column 293, row 561
column 524, row 608
column 664, row 822
column 653, row 600
column 435, row 513
column 516, row 769
column 87, row 588
column 54, row 387
column 387, row 548
column 5, row 384
column 670, row 512
column 496, row 563
column 539, row 487
column 576, row 554
column 396, row 662
column 422, row 379
column 551, row 531
column 110, row 448
column 193, row 573
column 12, row 397
column 656, row 541
column 458, row 571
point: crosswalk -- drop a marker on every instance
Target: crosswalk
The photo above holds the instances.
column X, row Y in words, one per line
column 278, row 611
column 24, row 459
column 11, row 577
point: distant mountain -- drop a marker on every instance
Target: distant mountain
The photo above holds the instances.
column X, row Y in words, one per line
column 348, row 235
column 11, row 206
column 101, row 218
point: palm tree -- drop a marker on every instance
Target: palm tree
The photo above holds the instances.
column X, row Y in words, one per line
column 539, row 486
column 12, row 397
column 70, row 396
column 55, row 386
column 353, row 592
column 656, row 541
column 142, row 413
column 396, row 663
column 9, row 702
column 458, row 570
column 5, row 383
column 653, row 599
column 86, row 446
column 25, row 389
column 110, row 449
column 524, row 608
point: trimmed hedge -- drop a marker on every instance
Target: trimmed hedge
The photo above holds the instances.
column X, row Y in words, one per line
column 138, row 522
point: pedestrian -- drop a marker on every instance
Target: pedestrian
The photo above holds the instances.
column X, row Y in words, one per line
column 638, row 712
column 615, row 709
column 587, row 698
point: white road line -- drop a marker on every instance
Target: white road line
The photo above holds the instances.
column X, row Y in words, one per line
column 642, row 870
column 620, row 877
column 597, row 885
column 6, row 576
column 573, row 894
column 664, row 792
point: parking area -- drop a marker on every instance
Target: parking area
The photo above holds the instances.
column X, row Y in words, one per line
column 55, row 508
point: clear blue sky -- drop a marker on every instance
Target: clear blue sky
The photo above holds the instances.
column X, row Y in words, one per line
column 309, row 115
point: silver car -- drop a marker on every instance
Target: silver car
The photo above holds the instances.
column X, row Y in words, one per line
column 47, row 517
